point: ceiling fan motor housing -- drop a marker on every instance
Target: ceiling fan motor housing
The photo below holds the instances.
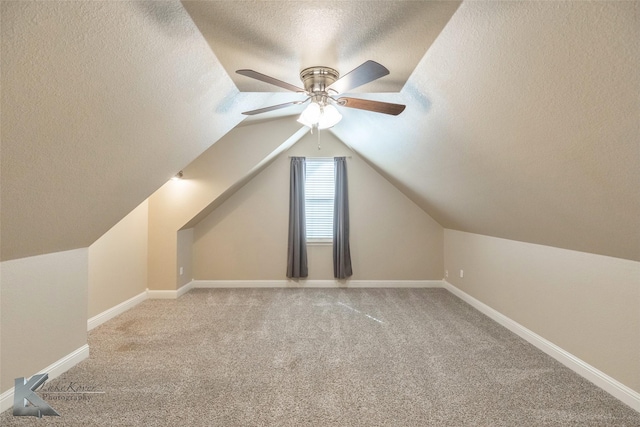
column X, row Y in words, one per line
column 317, row 79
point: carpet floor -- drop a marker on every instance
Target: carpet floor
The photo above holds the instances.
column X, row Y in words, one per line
column 318, row 357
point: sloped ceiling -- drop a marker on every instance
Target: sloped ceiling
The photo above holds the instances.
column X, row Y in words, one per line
column 102, row 102
column 522, row 118
column 523, row 123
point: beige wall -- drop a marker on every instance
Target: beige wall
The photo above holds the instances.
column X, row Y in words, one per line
column 126, row 94
column 587, row 304
column 246, row 237
column 118, row 262
column 185, row 243
column 43, row 311
column 228, row 161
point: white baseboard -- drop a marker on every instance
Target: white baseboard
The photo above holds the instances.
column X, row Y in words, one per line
column 184, row 289
column 599, row 378
column 316, row 284
column 173, row 294
column 109, row 314
column 54, row 370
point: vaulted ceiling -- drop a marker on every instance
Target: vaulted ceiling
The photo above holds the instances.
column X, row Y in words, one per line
column 522, row 118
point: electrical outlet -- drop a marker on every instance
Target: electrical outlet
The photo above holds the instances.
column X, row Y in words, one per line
column 181, row 270
column 461, row 273
column 446, row 273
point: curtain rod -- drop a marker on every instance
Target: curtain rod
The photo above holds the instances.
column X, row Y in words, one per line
column 319, row 157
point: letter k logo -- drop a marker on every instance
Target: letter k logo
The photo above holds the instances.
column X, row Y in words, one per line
column 24, row 392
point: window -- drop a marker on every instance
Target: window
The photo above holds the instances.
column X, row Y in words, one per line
column 319, row 192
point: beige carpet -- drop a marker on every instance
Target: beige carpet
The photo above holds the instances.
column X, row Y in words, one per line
column 320, row 357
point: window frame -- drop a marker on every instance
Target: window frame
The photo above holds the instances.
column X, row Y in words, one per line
column 324, row 240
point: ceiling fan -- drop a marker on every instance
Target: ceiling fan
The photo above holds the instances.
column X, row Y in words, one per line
column 322, row 85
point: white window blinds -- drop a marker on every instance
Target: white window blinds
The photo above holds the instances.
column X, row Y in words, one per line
column 319, row 192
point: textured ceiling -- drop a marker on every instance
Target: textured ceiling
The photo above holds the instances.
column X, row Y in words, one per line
column 101, row 103
column 522, row 122
column 522, row 118
column 280, row 38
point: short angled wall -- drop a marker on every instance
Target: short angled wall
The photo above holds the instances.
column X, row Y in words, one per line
column 118, row 263
column 109, row 314
column 54, row 370
column 43, row 311
column 585, row 304
column 599, row 378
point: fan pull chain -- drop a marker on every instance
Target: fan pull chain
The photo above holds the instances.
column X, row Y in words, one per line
column 314, row 127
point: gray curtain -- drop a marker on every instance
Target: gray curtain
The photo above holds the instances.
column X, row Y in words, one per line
column 341, row 250
column 297, row 249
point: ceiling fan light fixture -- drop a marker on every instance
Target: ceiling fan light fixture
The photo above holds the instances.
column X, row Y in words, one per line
column 323, row 117
column 329, row 118
column 311, row 115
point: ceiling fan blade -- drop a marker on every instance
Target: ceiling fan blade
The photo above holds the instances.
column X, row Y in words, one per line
column 365, row 73
column 264, row 78
column 377, row 106
column 273, row 107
